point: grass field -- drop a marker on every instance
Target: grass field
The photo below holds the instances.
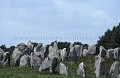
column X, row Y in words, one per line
column 27, row 72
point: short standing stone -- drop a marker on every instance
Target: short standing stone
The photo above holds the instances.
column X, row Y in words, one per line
column 25, row 60
column 63, row 54
column 35, row 61
column 6, row 59
column 73, row 55
column 45, row 64
column 92, row 49
column 63, row 69
column 81, row 71
column 85, row 52
column 77, row 49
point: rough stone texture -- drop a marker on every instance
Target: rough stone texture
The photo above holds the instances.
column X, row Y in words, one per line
column 25, row 60
column 63, row 70
column 23, row 48
column 81, row 71
column 73, row 55
column 39, row 50
column 35, row 61
column 52, row 52
column 116, row 53
column 118, row 76
column 92, row 49
column 54, row 65
column 1, row 53
column 63, row 54
column 6, row 59
column 114, row 70
column 30, row 45
column 102, row 52
column 99, row 66
column 16, row 56
column 77, row 49
column 55, row 46
column 110, row 53
column 45, row 64
column 85, row 52
column 113, row 53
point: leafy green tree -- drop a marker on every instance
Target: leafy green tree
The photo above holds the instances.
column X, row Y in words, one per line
column 111, row 38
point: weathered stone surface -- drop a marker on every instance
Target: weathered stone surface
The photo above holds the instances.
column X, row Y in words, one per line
column 118, row 76
column 25, row 60
column 35, row 61
column 45, row 64
column 81, row 71
column 77, row 49
column 85, row 52
column 110, row 53
column 73, row 55
column 114, row 70
column 52, row 52
column 55, row 46
column 63, row 54
column 92, row 49
column 63, row 69
column 39, row 50
column 102, row 52
column 113, row 53
column 23, row 48
column 54, row 65
column 6, row 59
column 99, row 66
column 30, row 45
column 1, row 53
column 16, row 56
column 117, row 53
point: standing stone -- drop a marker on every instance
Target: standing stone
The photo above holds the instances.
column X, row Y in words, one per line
column 1, row 53
column 99, row 66
column 102, row 52
column 63, row 54
column 63, row 69
column 6, row 59
column 30, row 45
column 52, row 52
column 114, row 70
column 92, row 49
column 118, row 76
column 39, row 50
column 55, row 46
column 110, row 53
column 73, row 55
column 45, row 64
column 116, row 53
column 25, row 60
column 81, row 71
column 16, row 56
column 54, row 65
column 85, row 52
column 35, row 61
column 77, row 49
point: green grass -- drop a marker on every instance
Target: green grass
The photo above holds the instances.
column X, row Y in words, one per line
column 27, row 72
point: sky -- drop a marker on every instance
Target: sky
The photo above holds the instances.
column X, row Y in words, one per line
column 45, row 21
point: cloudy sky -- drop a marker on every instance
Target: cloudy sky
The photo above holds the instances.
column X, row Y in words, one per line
column 63, row 20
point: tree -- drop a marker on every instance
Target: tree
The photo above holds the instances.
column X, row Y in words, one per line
column 111, row 38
